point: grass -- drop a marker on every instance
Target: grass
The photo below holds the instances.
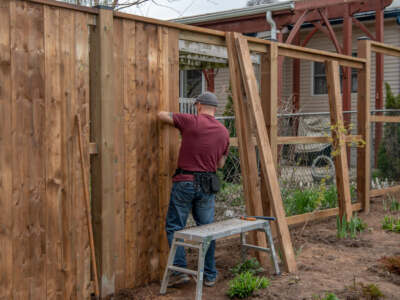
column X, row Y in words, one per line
column 299, row 201
column 349, row 229
column 391, row 223
column 245, row 284
column 251, row 265
column 391, row 204
column 329, row 296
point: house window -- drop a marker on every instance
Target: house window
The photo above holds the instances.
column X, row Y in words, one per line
column 192, row 83
column 320, row 86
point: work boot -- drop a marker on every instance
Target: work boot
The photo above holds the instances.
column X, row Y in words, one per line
column 178, row 279
column 210, row 283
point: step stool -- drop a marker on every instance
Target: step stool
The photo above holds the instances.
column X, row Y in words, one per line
column 201, row 237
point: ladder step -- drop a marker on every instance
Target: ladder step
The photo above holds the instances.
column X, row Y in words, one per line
column 188, row 245
column 256, row 247
column 182, row 270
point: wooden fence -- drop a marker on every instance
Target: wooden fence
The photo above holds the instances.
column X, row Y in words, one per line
column 116, row 71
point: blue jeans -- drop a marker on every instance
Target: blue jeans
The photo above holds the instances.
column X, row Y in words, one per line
column 186, row 197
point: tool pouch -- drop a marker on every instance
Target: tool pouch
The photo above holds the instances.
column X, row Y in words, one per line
column 208, row 182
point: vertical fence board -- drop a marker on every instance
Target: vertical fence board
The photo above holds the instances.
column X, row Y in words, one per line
column 153, row 100
column 28, row 127
column 130, row 162
column 54, row 195
column 67, row 88
column 6, row 154
column 81, row 106
column 119, row 87
column 142, row 154
column 165, row 130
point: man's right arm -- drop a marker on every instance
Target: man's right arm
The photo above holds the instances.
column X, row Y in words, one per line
column 166, row 117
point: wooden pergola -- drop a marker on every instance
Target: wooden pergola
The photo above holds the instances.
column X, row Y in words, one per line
column 319, row 13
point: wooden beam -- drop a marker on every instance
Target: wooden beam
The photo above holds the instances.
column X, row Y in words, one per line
column 296, row 27
column 319, row 26
column 385, row 191
column 309, row 36
column 386, row 49
column 102, row 171
column 364, row 125
column 293, row 140
column 342, row 171
column 269, row 104
column 318, row 215
column 331, row 31
column 363, row 28
column 247, row 151
column 266, row 158
column 385, row 119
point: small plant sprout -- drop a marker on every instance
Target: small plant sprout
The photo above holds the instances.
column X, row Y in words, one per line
column 245, row 284
column 351, row 228
column 251, row 265
column 391, row 224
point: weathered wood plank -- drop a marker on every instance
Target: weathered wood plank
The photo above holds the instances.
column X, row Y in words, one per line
column 152, row 104
column 54, row 184
column 165, row 132
column 119, row 86
column 82, row 107
column 248, row 159
column 67, row 84
column 104, row 164
column 6, row 154
column 342, row 171
column 28, row 122
column 130, row 132
column 266, row 158
column 142, row 138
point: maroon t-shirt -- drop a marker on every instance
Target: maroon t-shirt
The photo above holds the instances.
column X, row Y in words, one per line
column 204, row 141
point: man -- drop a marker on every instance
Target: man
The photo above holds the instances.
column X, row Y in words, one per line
column 205, row 143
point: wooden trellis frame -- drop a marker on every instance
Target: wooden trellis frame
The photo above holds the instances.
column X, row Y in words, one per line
column 366, row 48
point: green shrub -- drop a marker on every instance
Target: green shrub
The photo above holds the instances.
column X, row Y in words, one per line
column 389, row 149
column 245, row 284
column 251, row 265
column 351, row 228
column 391, row 224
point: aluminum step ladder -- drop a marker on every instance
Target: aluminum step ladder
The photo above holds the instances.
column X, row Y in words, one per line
column 200, row 238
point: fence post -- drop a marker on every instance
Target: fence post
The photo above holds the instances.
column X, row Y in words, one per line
column 102, row 132
column 269, row 104
column 363, row 124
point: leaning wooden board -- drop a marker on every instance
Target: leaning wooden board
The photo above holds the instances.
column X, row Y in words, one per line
column 266, row 158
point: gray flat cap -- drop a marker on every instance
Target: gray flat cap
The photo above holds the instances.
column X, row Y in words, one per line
column 207, row 98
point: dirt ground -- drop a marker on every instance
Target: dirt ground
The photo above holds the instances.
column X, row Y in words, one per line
column 325, row 264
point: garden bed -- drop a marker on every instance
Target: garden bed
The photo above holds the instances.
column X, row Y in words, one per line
column 325, row 264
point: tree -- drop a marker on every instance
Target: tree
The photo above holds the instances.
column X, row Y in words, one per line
column 115, row 4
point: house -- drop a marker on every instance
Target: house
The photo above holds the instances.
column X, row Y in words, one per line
column 313, row 89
